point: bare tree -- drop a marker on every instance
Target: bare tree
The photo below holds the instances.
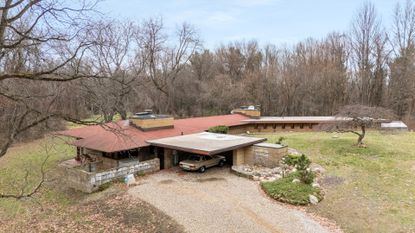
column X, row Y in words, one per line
column 367, row 44
column 357, row 119
column 163, row 63
column 40, row 41
column 26, row 189
column 402, row 81
column 115, row 58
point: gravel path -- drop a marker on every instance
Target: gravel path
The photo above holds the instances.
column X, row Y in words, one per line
column 218, row 201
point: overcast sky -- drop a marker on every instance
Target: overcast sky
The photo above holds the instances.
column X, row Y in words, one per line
column 268, row 21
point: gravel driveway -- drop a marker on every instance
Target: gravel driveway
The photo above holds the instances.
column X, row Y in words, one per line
column 218, row 201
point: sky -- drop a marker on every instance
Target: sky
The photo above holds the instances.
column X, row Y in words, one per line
column 267, row 21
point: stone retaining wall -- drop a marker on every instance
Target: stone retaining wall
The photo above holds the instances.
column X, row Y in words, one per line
column 88, row 182
column 265, row 154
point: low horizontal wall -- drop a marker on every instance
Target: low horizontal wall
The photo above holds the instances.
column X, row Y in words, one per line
column 88, row 182
column 271, row 128
column 265, row 154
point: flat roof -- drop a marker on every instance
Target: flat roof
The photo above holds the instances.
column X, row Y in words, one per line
column 270, row 145
column 294, row 119
column 394, row 124
column 206, row 143
column 121, row 135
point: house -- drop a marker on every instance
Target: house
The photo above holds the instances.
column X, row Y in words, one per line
column 394, row 126
column 148, row 142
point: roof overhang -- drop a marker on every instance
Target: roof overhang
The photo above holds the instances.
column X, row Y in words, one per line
column 206, row 143
column 298, row 119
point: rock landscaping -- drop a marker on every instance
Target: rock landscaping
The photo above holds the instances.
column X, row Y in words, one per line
column 259, row 173
column 295, row 180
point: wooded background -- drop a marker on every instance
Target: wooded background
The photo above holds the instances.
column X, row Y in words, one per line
column 60, row 62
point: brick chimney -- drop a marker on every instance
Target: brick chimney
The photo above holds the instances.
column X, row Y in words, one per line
column 147, row 121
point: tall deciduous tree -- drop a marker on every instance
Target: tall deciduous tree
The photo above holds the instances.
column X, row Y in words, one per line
column 402, row 80
column 40, row 41
column 368, row 49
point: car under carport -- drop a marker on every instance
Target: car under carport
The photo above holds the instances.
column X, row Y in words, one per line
column 174, row 149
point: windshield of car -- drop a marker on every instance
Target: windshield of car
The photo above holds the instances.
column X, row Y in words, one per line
column 194, row 158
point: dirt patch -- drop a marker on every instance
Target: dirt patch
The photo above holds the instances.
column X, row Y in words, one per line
column 332, row 180
column 116, row 213
column 210, row 179
column 411, row 165
column 166, row 181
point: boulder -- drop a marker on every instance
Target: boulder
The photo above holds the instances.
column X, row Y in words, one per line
column 293, row 151
column 277, row 170
column 315, row 185
column 313, row 199
column 317, row 168
column 271, row 179
column 277, row 177
column 296, row 181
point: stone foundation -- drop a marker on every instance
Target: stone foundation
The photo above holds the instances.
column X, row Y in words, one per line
column 79, row 179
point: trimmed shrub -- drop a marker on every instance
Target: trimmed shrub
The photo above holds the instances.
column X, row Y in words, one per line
column 291, row 160
column 302, row 163
column 285, row 190
column 223, row 129
column 279, row 141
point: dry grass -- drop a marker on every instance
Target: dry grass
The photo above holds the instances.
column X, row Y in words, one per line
column 367, row 189
column 59, row 209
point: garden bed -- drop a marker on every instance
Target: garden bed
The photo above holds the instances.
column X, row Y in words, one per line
column 289, row 190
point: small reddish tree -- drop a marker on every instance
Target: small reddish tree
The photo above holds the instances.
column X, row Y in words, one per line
column 357, row 118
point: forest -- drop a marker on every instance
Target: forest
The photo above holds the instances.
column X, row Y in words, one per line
column 60, row 62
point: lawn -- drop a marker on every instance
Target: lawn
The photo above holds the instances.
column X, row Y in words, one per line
column 367, row 189
column 56, row 208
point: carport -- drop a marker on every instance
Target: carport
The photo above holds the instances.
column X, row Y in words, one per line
column 234, row 147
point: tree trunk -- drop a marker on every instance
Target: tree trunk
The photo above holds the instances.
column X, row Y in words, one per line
column 361, row 136
column 123, row 114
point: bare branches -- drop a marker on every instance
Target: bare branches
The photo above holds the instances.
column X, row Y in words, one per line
column 352, row 117
column 24, row 192
column 368, row 40
column 163, row 63
column 404, row 29
column 41, row 41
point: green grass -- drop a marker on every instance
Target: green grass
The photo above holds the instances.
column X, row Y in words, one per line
column 29, row 157
column 57, row 208
column 377, row 193
column 293, row 193
column 378, row 189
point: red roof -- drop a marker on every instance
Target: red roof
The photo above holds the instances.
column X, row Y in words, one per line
column 121, row 135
